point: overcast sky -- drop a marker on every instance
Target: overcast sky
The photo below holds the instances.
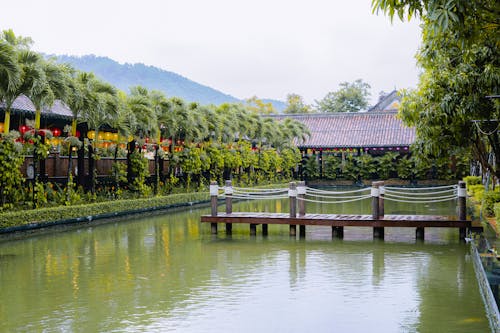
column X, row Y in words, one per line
column 268, row 48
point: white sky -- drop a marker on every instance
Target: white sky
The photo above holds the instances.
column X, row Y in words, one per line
column 267, row 48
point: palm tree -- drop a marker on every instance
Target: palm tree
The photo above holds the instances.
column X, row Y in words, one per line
column 14, row 55
column 102, row 108
column 10, row 78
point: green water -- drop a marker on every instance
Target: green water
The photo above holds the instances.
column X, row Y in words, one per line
column 167, row 273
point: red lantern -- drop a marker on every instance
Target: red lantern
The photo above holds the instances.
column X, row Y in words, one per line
column 77, row 134
column 56, row 132
column 23, row 129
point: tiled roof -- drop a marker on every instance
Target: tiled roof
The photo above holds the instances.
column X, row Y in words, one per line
column 24, row 104
column 355, row 130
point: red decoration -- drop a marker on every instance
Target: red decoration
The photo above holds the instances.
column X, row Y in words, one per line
column 77, row 134
column 23, row 129
column 56, row 132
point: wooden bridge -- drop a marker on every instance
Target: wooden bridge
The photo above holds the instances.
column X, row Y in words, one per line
column 377, row 220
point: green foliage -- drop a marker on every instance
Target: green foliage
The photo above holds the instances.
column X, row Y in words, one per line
column 351, row 97
column 295, row 104
column 476, row 192
column 460, row 68
column 405, row 167
column 15, row 218
column 140, row 168
column 490, row 198
column 472, row 180
column 350, row 168
column 367, row 166
column 11, row 179
column 333, row 167
column 387, row 164
column 311, row 168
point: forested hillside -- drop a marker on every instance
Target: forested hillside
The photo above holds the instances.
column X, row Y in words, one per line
column 124, row 76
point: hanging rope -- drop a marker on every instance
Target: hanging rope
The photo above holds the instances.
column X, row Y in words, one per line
column 315, row 190
column 411, row 189
column 334, row 202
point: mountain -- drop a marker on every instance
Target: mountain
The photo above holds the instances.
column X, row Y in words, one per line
column 124, row 76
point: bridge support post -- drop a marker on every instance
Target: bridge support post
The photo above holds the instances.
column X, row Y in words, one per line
column 228, row 191
column 462, row 212
column 292, row 194
column 301, row 193
column 214, row 192
column 338, row 232
column 253, row 229
column 420, row 233
column 264, row 229
column 378, row 232
column 381, row 193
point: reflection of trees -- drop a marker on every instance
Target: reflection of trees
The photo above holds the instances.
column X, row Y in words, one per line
column 92, row 279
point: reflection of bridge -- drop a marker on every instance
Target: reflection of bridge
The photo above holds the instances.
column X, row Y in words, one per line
column 378, row 193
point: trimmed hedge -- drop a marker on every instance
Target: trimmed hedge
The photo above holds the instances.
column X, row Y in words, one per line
column 87, row 211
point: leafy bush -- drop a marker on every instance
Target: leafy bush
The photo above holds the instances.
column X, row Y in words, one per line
column 472, row 180
column 490, row 198
column 476, row 192
column 16, row 218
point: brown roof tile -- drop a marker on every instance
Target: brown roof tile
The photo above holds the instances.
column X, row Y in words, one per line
column 355, row 130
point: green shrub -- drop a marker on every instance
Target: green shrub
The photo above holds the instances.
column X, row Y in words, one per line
column 16, row 218
column 476, row 192
column 490, row 199
column 472, row 180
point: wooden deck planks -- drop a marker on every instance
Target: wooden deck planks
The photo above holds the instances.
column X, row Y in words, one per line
column 340, row 220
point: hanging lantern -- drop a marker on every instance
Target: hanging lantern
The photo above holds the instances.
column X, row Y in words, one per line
column 100, row 136
column 108, row 136
column 23, row 129
column 56, row 132
column 91, row 135
column 115, row 137
column 77, row 133
column 1, row 127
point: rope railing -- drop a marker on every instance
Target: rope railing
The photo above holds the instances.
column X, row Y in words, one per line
column 357, row 198
column 315, row 190
column 256, row 190
column 420, row 188
column 415, row 195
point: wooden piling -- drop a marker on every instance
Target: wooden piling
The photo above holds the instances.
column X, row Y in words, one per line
column 420, row 233
column 292, row 194
column 462, row 210
column 378, row 232
column 302, row 231
column 253, row 229
column 338, row 232
column 301, row 195
column 381, row 193
column 264, row 229
column 228, row 191
column 214, row 192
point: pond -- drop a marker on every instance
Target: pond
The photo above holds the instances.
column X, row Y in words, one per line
column 167, row 272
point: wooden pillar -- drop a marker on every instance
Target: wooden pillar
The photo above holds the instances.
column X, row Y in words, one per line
column 378, row 232
column 253, row 229
column 264, row 229
column 292, row 194
column 381, row 193
column 420, row 233
column 214, row 192
column 462, row 210
column 338, row 232
column 228, row 191
column 301, row 195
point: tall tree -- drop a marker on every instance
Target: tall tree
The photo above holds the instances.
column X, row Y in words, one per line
column 460, row 59
column 351, row 97
column 295, row 104
column 257, row 105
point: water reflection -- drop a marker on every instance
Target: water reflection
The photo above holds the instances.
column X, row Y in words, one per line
column 167, row 273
